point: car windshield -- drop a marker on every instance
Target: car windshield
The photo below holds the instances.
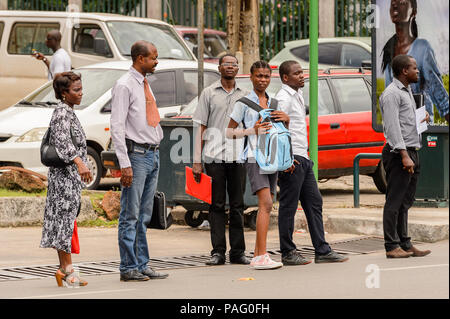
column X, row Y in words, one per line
column 245, row 84
column 126, row 33
column 215, row 45
column 95, row 83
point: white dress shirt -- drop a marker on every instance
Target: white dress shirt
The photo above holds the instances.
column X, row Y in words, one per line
column 292, row 103
column 128, row 116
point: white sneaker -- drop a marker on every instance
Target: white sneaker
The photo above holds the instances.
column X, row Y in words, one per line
column 264, row 262
column 205, row 225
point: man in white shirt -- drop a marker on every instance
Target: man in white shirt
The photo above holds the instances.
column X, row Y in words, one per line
column 60, row 61
column 299, row 182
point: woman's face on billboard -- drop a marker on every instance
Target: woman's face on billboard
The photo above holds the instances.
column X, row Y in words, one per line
column 401, row 11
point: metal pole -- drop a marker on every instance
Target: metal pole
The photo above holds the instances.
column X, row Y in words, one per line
column 313, row 82
column 200, row 43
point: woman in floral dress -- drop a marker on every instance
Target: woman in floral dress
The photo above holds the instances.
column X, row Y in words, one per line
column 65, row 183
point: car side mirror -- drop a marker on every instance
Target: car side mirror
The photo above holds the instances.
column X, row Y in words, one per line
column 169, row 115
column 307, row 110
column 101, row 47
column 195, row 50
column 366, row 64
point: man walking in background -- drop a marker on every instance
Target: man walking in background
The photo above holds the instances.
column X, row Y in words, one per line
column 60, row 61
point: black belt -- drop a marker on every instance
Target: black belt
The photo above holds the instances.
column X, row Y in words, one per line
column 131, row 144
column 409, row 148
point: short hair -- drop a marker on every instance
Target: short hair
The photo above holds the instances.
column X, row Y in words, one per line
column 63, row 81
column 140, row 48
column 399, row 63
column 285, row 67
column 228, row 54
column 55, row 34
column 260, row 65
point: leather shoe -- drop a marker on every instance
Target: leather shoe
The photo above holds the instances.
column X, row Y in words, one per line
column 294, row 258
column 418, row 253
column 331, row 257
column 133, row 275
column 240, row 260
column 398, row 253
column 215, row 260
column 153, row 274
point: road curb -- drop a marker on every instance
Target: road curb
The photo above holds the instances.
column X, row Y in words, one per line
column 29, row 211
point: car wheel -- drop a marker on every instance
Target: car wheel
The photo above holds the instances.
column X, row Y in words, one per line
column 95, row 166
column 379, row 178
column 194, row 218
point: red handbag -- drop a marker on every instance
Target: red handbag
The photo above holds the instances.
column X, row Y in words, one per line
column 75, row 241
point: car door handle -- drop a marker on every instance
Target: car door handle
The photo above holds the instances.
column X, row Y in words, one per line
column 335, row 126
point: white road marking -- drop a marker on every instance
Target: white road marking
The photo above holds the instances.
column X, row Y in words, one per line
column 75, row 294
column 413, row 267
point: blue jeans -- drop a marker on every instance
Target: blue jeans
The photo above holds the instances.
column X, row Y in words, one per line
column 136, row 204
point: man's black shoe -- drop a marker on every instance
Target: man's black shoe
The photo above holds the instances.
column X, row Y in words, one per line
column 133, row 275
column 331, row 257
column 240, row 260
column 153, row 274
column 294, row 258
column 215, row 260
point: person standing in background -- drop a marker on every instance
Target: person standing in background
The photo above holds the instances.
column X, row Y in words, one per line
column 60, row 61
column 136, row 134
column 221, row 162
column 400, row 157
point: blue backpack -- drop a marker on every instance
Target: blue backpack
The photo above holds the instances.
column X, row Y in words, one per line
column 273, row 150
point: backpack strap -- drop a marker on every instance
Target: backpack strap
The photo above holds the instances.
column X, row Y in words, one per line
column 274, row 103
column 256, row 106
column 251, row 104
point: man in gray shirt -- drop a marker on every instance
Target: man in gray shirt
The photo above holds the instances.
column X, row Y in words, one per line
column 220, row 156
column 400, row 157
column 136, row 135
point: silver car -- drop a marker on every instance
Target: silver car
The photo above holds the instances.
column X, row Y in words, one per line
column 345, row 52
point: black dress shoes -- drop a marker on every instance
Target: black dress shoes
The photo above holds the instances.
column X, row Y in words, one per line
column 240, row 260
column 215, row 260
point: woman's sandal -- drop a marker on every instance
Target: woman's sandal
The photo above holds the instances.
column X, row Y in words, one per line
column 69, row 280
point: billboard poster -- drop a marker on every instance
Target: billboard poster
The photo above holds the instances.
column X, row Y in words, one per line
column 419, row 28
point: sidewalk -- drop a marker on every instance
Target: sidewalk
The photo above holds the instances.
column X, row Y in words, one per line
column 426, row 224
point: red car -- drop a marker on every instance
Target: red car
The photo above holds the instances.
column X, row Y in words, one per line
column 215, row 42
column 344, row 123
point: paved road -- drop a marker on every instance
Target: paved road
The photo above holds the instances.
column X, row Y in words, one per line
column 409, row 278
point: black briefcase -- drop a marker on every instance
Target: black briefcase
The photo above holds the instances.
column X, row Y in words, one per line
column 109, row 160
column 160, row 218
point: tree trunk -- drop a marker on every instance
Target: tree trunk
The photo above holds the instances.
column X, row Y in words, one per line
column 250, row 33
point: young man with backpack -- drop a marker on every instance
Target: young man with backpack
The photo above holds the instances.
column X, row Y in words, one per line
column 263, row 185
column 299, row 182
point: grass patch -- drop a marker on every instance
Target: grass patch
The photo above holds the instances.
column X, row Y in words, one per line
column 9, row 193
column 99, row 222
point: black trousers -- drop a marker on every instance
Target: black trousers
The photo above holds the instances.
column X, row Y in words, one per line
column 401, row 188
column 227, row 177
column 300, row 185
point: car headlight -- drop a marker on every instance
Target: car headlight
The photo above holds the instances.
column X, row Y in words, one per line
column 34, row 135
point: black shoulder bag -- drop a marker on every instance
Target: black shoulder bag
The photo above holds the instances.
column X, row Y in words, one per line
column 49, row 157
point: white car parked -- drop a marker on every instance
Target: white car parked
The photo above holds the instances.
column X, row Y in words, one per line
column 23, row 125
